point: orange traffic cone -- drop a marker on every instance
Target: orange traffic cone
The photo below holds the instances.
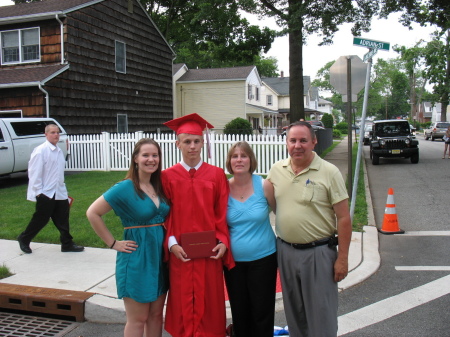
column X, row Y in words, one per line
column 390, row 221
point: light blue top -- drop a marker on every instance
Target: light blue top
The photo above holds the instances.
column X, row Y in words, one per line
column 252, row 237
column 140, row 275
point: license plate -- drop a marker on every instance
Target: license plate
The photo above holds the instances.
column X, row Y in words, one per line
column 395, row 151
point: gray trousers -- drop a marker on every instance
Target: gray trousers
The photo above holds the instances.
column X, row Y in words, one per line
column 310, row 295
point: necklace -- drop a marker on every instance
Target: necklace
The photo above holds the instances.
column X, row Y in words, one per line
column 148, row 191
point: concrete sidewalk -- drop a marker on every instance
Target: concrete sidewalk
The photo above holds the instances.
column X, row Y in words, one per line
column 93, row 269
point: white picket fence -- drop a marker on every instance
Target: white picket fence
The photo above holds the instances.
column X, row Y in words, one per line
column 112, row 152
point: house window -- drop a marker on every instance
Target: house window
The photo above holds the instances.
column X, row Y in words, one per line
column 257, row 93
column 121, row 57
column 122, row 123
column 269, row 99
column 249, row 91
column 20, row 46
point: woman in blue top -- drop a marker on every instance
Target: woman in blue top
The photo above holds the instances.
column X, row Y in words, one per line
column 251, row 283
column 141, row 274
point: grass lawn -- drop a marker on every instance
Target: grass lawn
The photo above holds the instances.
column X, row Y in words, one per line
column 85, row 188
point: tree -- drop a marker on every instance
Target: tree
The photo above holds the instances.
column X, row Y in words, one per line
column 433, row 12
column 327, row 120
column 300, row 18
column 412, row 59
column 211, row 33
column 437, row 58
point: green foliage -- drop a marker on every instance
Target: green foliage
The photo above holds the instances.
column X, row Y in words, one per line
column 322, row 80
column 327, row 120
column 212, row 34
column 302, row 18
column 342, row 126
column 360, row 213
column 425, row 125
column 238, row 126
column 4, row 272
column 337, row 133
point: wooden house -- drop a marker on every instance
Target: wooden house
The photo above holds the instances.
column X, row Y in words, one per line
column 93, row 65
column 278, row 97
column 221, row 95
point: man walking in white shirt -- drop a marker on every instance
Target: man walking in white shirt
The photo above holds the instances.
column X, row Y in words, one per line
column 46, row 187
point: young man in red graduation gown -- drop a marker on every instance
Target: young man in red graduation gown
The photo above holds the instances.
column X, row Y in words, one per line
column 198, row 194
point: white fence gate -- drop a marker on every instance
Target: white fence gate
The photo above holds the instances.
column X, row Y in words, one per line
column 112, row 152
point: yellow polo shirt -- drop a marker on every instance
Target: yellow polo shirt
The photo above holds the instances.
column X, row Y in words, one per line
column 305, row 201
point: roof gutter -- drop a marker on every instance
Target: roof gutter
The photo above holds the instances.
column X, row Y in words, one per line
column 61, row 28
column 30, row 18
column 47, row 101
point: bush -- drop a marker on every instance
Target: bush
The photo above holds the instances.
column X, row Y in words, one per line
column 342, row 127
column 337, row 133
column 327, row 120
column 238, row 126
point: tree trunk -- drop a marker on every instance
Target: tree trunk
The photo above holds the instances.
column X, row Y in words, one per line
column 297, row 106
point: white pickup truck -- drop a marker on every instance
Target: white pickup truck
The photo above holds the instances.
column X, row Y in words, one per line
column 18, row 138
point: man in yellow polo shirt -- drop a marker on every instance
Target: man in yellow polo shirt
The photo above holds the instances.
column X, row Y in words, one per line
column 312, row 206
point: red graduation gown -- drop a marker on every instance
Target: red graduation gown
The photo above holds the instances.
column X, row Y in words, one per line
column 196, row 301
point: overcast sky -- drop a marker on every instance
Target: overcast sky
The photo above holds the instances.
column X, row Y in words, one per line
column 315, row 57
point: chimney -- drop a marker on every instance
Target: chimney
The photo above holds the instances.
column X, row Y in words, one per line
column 282, row 74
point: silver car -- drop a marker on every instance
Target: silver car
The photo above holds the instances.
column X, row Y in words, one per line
column 366, row 138
column 436, row 130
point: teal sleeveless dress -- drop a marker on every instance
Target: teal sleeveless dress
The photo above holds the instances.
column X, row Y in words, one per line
column 141, row 275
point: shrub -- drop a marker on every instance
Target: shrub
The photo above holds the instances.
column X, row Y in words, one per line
column 238, row 126
column 337, row 133
column 327, row 120
column 342, row 127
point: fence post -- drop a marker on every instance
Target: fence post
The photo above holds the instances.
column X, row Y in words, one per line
column 138, row 135
column 106, row 152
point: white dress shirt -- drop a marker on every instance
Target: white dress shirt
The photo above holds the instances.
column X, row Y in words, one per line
column 46, row 172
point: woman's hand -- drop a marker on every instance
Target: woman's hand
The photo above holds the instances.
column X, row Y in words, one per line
column 126, row 246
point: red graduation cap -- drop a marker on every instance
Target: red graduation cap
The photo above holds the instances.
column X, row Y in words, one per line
column 192, row 124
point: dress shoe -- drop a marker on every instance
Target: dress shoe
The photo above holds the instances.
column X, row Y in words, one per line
column 72, row 248
column 24, row 247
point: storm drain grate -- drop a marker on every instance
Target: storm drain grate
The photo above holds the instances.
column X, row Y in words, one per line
column 21, row 325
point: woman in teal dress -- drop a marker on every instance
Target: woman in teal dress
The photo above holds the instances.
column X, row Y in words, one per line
column 141, row 274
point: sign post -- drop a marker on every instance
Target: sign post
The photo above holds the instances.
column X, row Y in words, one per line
column 347, row 76
column 373, row 46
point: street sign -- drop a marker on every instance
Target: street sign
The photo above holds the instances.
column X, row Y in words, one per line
column 338, row 75
column 369, row 54
column 360, row 42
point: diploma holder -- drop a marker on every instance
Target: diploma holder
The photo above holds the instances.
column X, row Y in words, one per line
column 198, row 244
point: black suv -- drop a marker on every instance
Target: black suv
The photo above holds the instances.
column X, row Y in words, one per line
column 393, row 138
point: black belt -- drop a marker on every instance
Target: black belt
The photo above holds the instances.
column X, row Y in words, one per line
column 331, row 242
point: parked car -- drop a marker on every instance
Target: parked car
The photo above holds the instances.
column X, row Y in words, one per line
column 19, row 137
column 393, row 139
column 436, row 130
column 366, row 137
column 316, row 125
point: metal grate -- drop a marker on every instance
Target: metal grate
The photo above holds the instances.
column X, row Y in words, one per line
column 13, row 325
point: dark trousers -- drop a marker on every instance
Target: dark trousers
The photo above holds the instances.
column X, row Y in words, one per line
column 251, row 288
column 46, row 209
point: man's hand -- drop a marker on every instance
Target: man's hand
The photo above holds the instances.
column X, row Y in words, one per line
column 179, row 253
column 220, row 249
column 340, row 269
